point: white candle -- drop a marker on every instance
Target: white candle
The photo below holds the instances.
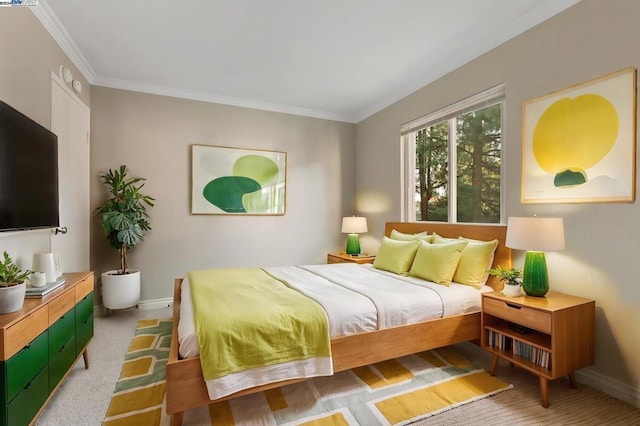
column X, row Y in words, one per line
column 38, row 279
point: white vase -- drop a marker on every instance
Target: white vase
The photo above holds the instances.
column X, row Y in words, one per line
column 510, row 290
column 12, row 298
column 120, row 291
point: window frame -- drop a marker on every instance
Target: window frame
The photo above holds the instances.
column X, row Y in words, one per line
column 492, row 96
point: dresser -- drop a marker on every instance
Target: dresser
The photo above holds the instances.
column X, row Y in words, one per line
column 40, row 343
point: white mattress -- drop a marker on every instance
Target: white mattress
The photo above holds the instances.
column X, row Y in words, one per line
column 356, row 298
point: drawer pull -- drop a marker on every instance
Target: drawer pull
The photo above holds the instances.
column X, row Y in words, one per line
column 513, row 306
column 62, row 348
column 27, row 346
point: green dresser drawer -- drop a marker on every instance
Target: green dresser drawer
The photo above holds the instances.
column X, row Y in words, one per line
column 61, row 331
column 84, row 309
column 84, row 333
column 23, row 366
column 61, row 362
column 27, row 403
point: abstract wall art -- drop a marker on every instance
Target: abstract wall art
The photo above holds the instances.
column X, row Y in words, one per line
column 233, row 181
column 579, row 144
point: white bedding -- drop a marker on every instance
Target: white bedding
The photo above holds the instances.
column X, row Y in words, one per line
column 356, row 298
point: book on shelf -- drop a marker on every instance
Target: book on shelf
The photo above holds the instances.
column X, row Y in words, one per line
column 34, row 292
column 519, row 348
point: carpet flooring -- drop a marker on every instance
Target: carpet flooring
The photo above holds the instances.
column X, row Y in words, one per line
column 84, row 396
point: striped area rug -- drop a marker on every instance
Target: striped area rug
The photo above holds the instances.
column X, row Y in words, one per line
column 393, row 392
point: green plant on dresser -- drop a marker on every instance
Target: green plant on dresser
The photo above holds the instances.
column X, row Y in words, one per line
column 40, row 343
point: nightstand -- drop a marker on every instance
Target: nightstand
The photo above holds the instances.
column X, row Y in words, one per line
column 551, row 336
column 347, row 258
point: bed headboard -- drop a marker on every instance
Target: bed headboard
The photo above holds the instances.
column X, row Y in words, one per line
column 482, row 232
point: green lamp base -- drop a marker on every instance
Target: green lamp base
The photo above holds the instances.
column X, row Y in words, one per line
column 535, row 278
column 353, row 244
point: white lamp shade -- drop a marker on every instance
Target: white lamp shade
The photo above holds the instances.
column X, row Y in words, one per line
column 354, row 225
column 535, row 233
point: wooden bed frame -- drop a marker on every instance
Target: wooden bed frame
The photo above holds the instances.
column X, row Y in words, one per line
column 186, row 388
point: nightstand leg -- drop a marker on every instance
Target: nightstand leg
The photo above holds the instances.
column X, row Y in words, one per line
column 494, row 365
column 572, row 380
column 544, row 391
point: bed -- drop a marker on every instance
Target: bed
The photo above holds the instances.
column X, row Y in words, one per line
column 186, row 386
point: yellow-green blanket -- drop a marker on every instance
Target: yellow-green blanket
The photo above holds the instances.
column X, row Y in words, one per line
column 250, row 325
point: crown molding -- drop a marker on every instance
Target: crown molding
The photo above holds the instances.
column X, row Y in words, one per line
column 50, row 22
column 218, row 99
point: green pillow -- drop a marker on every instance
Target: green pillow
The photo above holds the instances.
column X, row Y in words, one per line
column 476, row 259
column 395, row 256
column 437, row 262
column 397, row 235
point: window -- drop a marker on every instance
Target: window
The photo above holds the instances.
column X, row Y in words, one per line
column 452, row 162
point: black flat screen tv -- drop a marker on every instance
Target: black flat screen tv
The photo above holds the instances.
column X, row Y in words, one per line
column 28, row 173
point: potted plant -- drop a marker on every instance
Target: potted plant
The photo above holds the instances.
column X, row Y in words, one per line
column 511, row 279
column 124, row 220
column 12, row 286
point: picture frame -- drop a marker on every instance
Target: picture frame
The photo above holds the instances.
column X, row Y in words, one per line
column 579, row 143
column 235, row 181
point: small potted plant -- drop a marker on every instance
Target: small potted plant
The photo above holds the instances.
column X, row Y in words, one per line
column 124, row 220
column 511, row 279
column 12, row 285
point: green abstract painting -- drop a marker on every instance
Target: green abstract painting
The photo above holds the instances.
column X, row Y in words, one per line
column 237, row 181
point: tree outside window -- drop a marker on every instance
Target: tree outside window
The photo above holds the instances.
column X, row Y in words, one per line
column 464, row 148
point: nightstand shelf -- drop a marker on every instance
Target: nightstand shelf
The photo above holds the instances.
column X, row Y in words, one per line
column 558, row 336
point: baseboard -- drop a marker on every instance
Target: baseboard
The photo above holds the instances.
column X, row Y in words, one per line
column 585, row 376
column 609, row 386
column 156, row 303
column 144, row 305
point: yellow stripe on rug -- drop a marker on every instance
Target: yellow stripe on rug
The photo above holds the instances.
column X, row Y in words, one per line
column 431, row 400
column 397, row 391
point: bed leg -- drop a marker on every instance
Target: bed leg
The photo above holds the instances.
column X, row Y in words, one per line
column 176, row 418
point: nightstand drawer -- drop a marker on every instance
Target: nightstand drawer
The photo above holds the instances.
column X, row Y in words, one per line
column 518, row 314
column 345, row 258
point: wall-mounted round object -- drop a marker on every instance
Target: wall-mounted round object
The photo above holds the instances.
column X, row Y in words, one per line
column 66, row 74
column 77, row 86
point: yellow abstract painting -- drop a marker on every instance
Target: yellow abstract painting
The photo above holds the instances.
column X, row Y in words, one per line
column 579, row 143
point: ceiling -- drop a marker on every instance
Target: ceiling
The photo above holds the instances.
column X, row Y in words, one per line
column 336, row 59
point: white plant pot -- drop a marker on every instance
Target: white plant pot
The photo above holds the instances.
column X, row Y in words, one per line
column 512, row 290
column 12, row 298
column 120, row 291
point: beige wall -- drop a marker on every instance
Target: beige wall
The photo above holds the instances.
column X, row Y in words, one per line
column 588, row 40
column 153, row 135
column 28, row 56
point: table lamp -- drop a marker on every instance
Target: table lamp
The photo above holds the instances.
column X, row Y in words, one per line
column 352, row 226
column 535, row 235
